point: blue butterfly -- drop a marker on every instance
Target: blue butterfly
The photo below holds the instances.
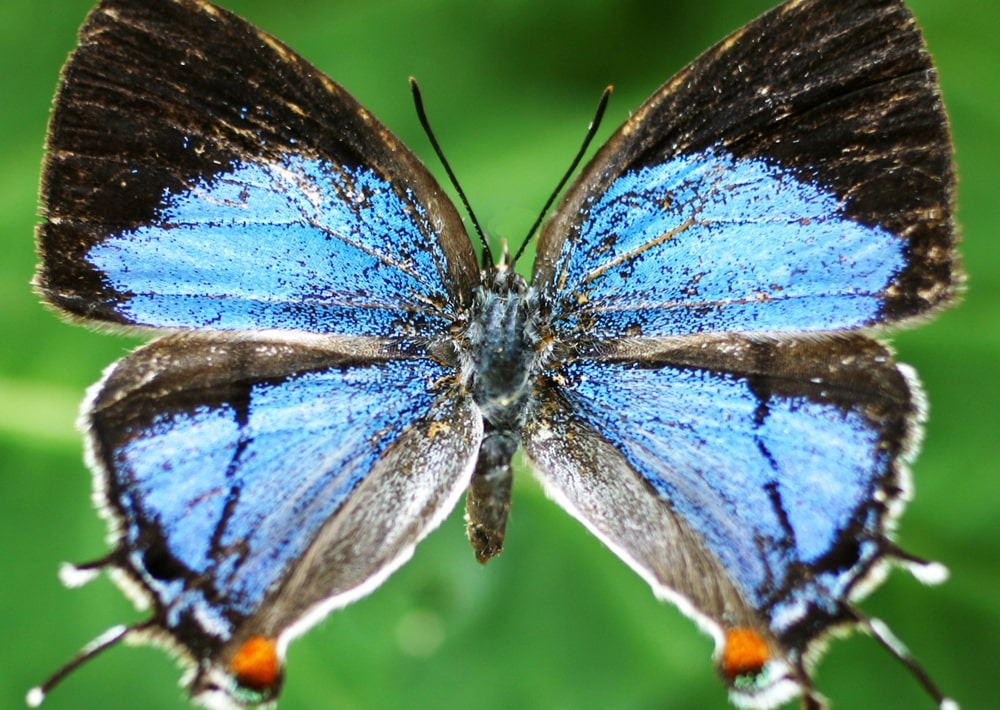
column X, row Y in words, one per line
column 692, row 371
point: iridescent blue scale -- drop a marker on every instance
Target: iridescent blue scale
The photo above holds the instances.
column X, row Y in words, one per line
column 342, row 419
column 817, row 458
column 346, row 254
column 802, row 265
column 692, row 370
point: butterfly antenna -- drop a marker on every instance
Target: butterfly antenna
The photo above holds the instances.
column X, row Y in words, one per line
column 595, row 123
column 100, row 644
column 422, row 115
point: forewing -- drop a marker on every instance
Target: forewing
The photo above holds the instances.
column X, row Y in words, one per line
column 797, row 177
column 252, row 497
column 200, row 174
column 753, row 484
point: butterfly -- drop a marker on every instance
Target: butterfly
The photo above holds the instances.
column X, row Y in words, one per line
column 693, row 372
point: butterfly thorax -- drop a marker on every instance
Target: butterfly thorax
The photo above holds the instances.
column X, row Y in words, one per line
column 499, row 345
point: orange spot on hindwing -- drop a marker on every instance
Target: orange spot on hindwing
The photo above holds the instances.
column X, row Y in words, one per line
column 745, row 653
column 255, row 664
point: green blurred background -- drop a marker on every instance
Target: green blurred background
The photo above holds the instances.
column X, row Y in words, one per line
column 557, row 621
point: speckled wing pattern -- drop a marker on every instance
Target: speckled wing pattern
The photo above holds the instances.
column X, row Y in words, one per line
column 727, row 425
column 285, row 448
column 281, row 479
column 694, row 371
column 281, row 205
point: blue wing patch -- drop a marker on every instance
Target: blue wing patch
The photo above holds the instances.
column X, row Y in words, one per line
column 211, row 533
column 300, row 244
column 768, row 487
column 656, row 255
column 751, row 483
column 205, row 477
column 689, row 370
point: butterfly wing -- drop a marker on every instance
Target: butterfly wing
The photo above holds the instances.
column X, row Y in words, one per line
column 201, row 175
column 252, row 497
column 749, row 483
column 718, row 417
column 797, row 177
column 284, row 455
